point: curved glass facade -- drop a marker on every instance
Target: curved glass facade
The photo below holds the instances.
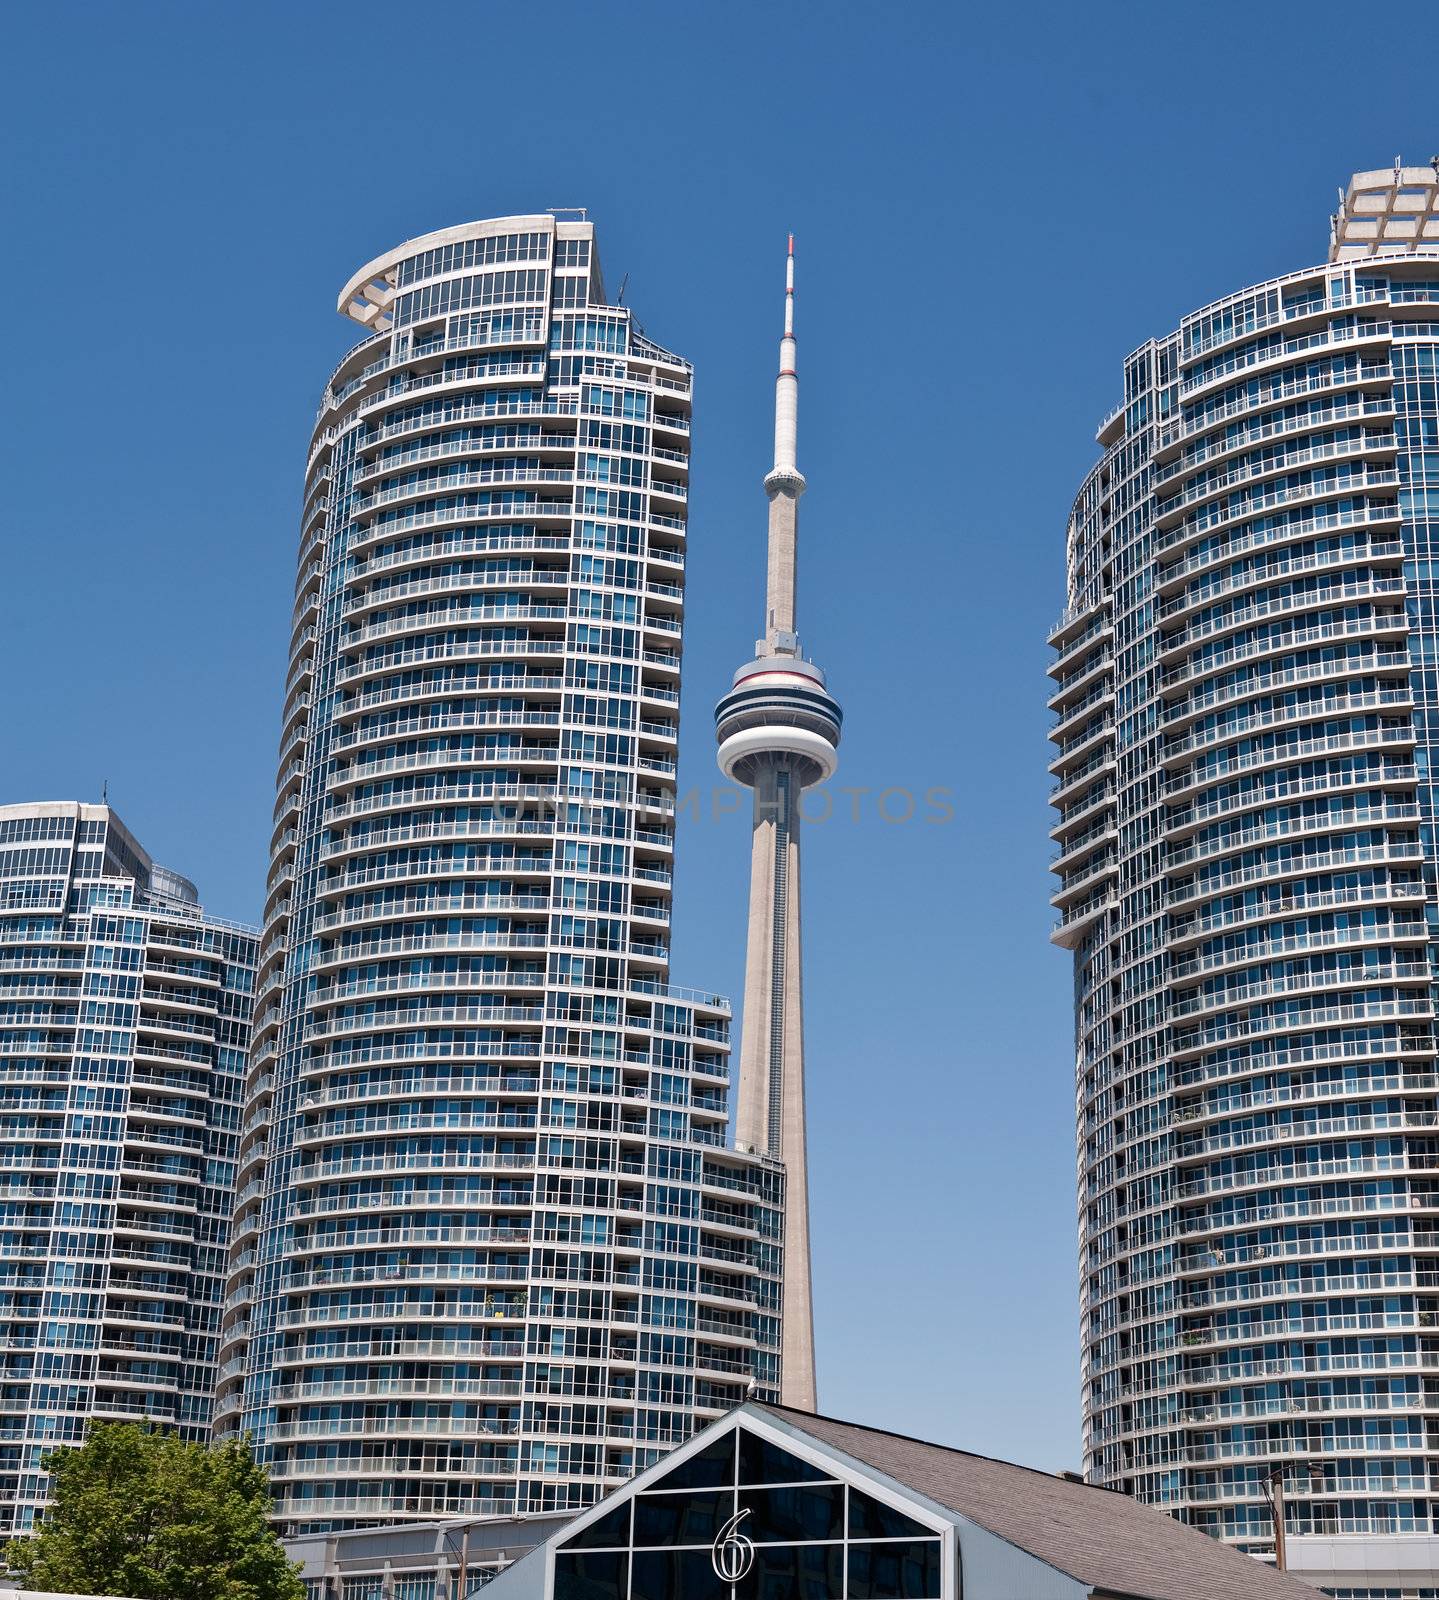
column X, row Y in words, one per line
column 491, row 1253
column 124, row 1024
column 1247, row 691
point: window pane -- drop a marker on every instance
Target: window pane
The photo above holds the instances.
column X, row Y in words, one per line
column 894, row 1571
column 689, row 1518
column 872, row 1519
column 612, row 1528
column 664, row 1574
column 762, row 1462
column 800, row 1512
column 712, row 1467
column 590, row 1576
column 793, row 1572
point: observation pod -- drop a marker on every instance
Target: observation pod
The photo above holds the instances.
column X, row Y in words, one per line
column 779, row 707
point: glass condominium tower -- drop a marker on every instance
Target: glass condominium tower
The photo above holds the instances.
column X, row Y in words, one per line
column 1246, row 684
column 124, row 1025
column 492, row 1253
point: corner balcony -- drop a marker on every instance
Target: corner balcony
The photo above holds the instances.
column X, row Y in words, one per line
column 1209, row 485
column 480, row 407
column 1082, row 880
column 1376, row 375
column 507, row 442
column 1257, row 574
column 1376, row 662
column 531, row 367
column 1402, row 737
column 359, row 599
column 1063, row 860
column 1087, row 741
column 1316, row 599
column 1247, row 531
column 1347, row 409
column 1291, row 717
column 1380, row 621
column 1077, row 919
column 1086, row 679
column 1266, row 355
column 1073, row 645
column 1332, row 1050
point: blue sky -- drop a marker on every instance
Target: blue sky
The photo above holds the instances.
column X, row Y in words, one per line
column 993, row 205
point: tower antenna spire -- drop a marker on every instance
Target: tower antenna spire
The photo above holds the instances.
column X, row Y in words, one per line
column 784, row 484
column 786, row 384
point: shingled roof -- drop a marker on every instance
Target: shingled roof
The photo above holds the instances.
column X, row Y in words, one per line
column 1110, row 1543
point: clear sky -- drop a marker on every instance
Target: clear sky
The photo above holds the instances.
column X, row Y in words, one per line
column 993, row 204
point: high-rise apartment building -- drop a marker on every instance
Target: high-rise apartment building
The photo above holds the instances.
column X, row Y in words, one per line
column 491, row 1251
column 124, row 1026
column 778, row 731
column 1247, row 691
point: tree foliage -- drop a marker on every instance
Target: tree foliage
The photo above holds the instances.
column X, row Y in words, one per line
column 135, row 1511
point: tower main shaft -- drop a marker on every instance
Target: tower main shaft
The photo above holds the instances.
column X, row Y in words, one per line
column 778, row 730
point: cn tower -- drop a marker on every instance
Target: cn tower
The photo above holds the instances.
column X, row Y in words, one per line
column 778, row 731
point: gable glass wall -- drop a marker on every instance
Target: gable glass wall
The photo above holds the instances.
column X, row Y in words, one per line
column 124, row 1026
column 743, row 1519
column 1246, row 689
column 491, row 1252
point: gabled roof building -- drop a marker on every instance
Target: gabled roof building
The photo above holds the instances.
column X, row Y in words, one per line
column 789, row 1506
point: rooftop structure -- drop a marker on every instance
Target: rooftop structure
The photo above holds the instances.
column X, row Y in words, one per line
column 1391, row 212
column 442, row 1560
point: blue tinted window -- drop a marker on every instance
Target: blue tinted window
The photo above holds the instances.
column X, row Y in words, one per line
column 664, row 1574
column 763, row 1462
column 895, row 1571
column 794, row 1572
column 611, row 1529
column 871, row 1519
column 689, row 1518
column 594, row 1575
column 794, row 1513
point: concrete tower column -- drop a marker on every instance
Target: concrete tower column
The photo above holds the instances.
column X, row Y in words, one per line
column 778, row 730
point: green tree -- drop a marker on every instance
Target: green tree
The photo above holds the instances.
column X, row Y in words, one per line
column 135, row 1511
